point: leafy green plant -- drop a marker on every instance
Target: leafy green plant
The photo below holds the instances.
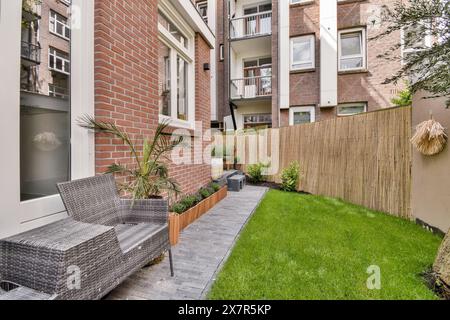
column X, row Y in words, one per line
column 256, row 172
column 178, row 208
column 189, row 201
column 149, row 173
column 290, row 177
column 198, row 197
column 205, row 193
column 215, row 187
column 404, row 98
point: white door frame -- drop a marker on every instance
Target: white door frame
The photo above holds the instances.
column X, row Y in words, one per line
column 17, row 216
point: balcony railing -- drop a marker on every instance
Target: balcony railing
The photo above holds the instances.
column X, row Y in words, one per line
column 31, row 52
column 249, row 88
column 251, row 25
column 58, row 92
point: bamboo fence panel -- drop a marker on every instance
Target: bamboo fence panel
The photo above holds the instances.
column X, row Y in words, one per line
column 363, row 159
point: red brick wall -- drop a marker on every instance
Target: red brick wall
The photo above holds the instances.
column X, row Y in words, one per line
column 126, row 81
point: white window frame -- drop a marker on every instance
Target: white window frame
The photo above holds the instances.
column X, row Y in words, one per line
column 312, row 43
column 427, row 44
column 188, row 54
column 201, row 4
column 17, row 216
column 359, row 104
column 53, row 17
column 55, row 56
column 293, row 110
column 301, row 1
column 363, row 54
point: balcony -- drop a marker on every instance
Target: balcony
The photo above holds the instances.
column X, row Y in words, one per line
column 251, row 26
column 58, row 92
column 251, row 88
column 30, row 53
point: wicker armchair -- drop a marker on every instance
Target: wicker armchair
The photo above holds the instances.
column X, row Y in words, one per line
column 107, row 238
column 141, row 226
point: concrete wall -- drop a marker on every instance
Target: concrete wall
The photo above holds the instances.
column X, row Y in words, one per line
column 431, row 175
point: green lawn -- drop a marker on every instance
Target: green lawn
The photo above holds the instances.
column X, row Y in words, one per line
column 307, row 247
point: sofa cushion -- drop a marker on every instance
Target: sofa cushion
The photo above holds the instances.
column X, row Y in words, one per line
column 130, row 235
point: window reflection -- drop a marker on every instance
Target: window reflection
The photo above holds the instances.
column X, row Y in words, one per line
column 45, row 97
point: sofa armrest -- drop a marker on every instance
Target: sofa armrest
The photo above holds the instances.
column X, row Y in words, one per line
column 144, row 211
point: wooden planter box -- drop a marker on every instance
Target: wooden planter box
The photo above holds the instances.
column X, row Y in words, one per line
column 179, row 222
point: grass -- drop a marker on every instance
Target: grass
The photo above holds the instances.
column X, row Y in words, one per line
column 308, row 247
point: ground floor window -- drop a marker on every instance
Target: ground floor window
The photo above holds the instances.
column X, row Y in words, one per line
column 302, row 115
column 350, row 109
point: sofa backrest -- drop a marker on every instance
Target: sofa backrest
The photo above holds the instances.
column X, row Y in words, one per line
column 92, row 200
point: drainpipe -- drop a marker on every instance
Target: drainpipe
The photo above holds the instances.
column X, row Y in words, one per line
column 232, row 108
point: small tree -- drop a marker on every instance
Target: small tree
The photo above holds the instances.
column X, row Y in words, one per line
column 428, row 67
column 404, row 98
column 149, row 173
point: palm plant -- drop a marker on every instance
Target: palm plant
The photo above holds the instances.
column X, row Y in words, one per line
column 149, row 174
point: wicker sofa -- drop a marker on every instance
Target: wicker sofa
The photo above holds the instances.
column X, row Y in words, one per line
column 105, row 240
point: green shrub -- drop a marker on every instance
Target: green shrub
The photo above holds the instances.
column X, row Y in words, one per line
column 255, row 172
column 189, row 201
column 205, row 193
column 215, row 187
column 290, row 177
column 198, row 198
column 178, row 208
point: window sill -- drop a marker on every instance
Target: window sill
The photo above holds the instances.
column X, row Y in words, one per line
column 177, row 124
column 349, row 1
column 362, row 71
column 302, row 4
column 59, row 36
column 310, row 70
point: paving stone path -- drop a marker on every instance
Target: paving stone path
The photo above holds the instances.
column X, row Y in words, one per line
column 204, row 247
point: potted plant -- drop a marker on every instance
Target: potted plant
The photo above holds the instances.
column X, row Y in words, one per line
column 148, row 176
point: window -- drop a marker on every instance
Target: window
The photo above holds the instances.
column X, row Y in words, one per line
column 352, row 50
column 45, row 117
column 202, row 8
column 302, row 115
column 413, row 41
column 59, row 25
column 257, row 120
column 182, row 87
column 258, row 19
column 350, row 109
column 174, row 31
column 58, row 61
column 265, row 7
column 164, row 80
column 176, row 74
column 303, row 53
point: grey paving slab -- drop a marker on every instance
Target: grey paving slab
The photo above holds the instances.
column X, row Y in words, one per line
column 204, row 247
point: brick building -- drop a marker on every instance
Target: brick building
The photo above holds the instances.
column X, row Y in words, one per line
column 285, row 62
column 133, row 62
